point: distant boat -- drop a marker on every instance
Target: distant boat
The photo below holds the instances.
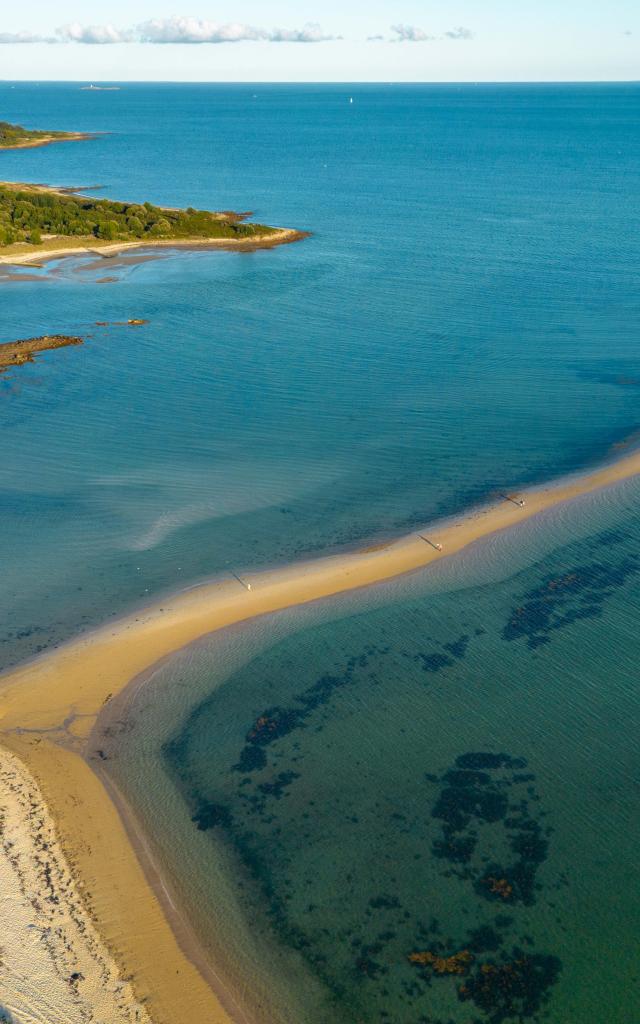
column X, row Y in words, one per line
column 351, row 99
column 100, row 88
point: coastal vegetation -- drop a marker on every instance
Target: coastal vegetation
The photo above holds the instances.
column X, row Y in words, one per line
column 14, row 136
column 34, row 215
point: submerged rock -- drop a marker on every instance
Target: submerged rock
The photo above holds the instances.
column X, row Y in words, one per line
column 456, row 964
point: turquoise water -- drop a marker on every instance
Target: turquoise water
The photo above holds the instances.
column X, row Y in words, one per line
column 440, row 765
column 344, row 785
column 463, row 319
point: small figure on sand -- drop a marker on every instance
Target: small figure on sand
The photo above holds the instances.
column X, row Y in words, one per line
column 433, row 543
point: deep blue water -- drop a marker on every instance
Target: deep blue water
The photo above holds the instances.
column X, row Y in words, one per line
column 337, row 787
column 464, row 318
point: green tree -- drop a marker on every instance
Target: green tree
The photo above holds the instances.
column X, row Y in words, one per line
column 161, row 228
column 108, row 230
column 135, row 226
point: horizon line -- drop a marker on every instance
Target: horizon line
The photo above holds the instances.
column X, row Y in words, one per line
column 349, row 82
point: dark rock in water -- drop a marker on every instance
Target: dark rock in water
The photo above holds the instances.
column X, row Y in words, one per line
column 513, row 990
column 458, row 963
column 274, row 723
column 16, row 353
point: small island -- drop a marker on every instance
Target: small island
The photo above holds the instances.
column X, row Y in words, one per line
column 37, row 222
column 16, row 353
column 14, row 136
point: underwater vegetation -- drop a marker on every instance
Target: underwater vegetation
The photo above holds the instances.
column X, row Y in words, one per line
column 379, row 951
column 560, row 601
column 513, row 990
column 414, row 888
column 481, row 790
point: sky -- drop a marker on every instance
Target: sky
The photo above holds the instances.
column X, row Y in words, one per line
column 332, row 40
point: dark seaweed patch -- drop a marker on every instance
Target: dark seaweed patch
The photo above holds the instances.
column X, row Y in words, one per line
column 277, row 787
column 515, row 989
column 478, row 814
column 366, row 965
column 456, row 849
column 435, row 661
column 458, row 648
column 252, row 759
column 475, row 817
column 560, row 601
column 212, row 815
column 457, row 805
column 275, row 723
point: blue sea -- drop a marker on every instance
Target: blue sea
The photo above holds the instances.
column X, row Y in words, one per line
column 448, row 762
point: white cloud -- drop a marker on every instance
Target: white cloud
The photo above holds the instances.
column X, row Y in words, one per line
column 173, row 30
column 22, row 37
column 413, row 34
column 459, row 33
column 410, row 34
column 311, row 33
column 195, row 30
column 92, row 34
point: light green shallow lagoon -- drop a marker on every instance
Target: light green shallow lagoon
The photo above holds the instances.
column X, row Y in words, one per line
column 343, row 784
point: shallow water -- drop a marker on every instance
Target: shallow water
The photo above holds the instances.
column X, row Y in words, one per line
column 464, row 319
column 357, row 779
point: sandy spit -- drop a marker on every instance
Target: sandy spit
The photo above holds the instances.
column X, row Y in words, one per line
column 282, row 236
column 49, row 707
column 50, row 140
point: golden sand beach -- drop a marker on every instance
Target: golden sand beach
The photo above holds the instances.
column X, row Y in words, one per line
column 49, row 706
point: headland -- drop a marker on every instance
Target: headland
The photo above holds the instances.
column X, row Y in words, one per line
column 38, row 223
column 14, row 136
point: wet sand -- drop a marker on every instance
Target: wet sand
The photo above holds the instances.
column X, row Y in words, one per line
column 49, row 707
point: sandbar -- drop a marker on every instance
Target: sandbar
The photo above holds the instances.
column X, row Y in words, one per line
column 49, row 707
